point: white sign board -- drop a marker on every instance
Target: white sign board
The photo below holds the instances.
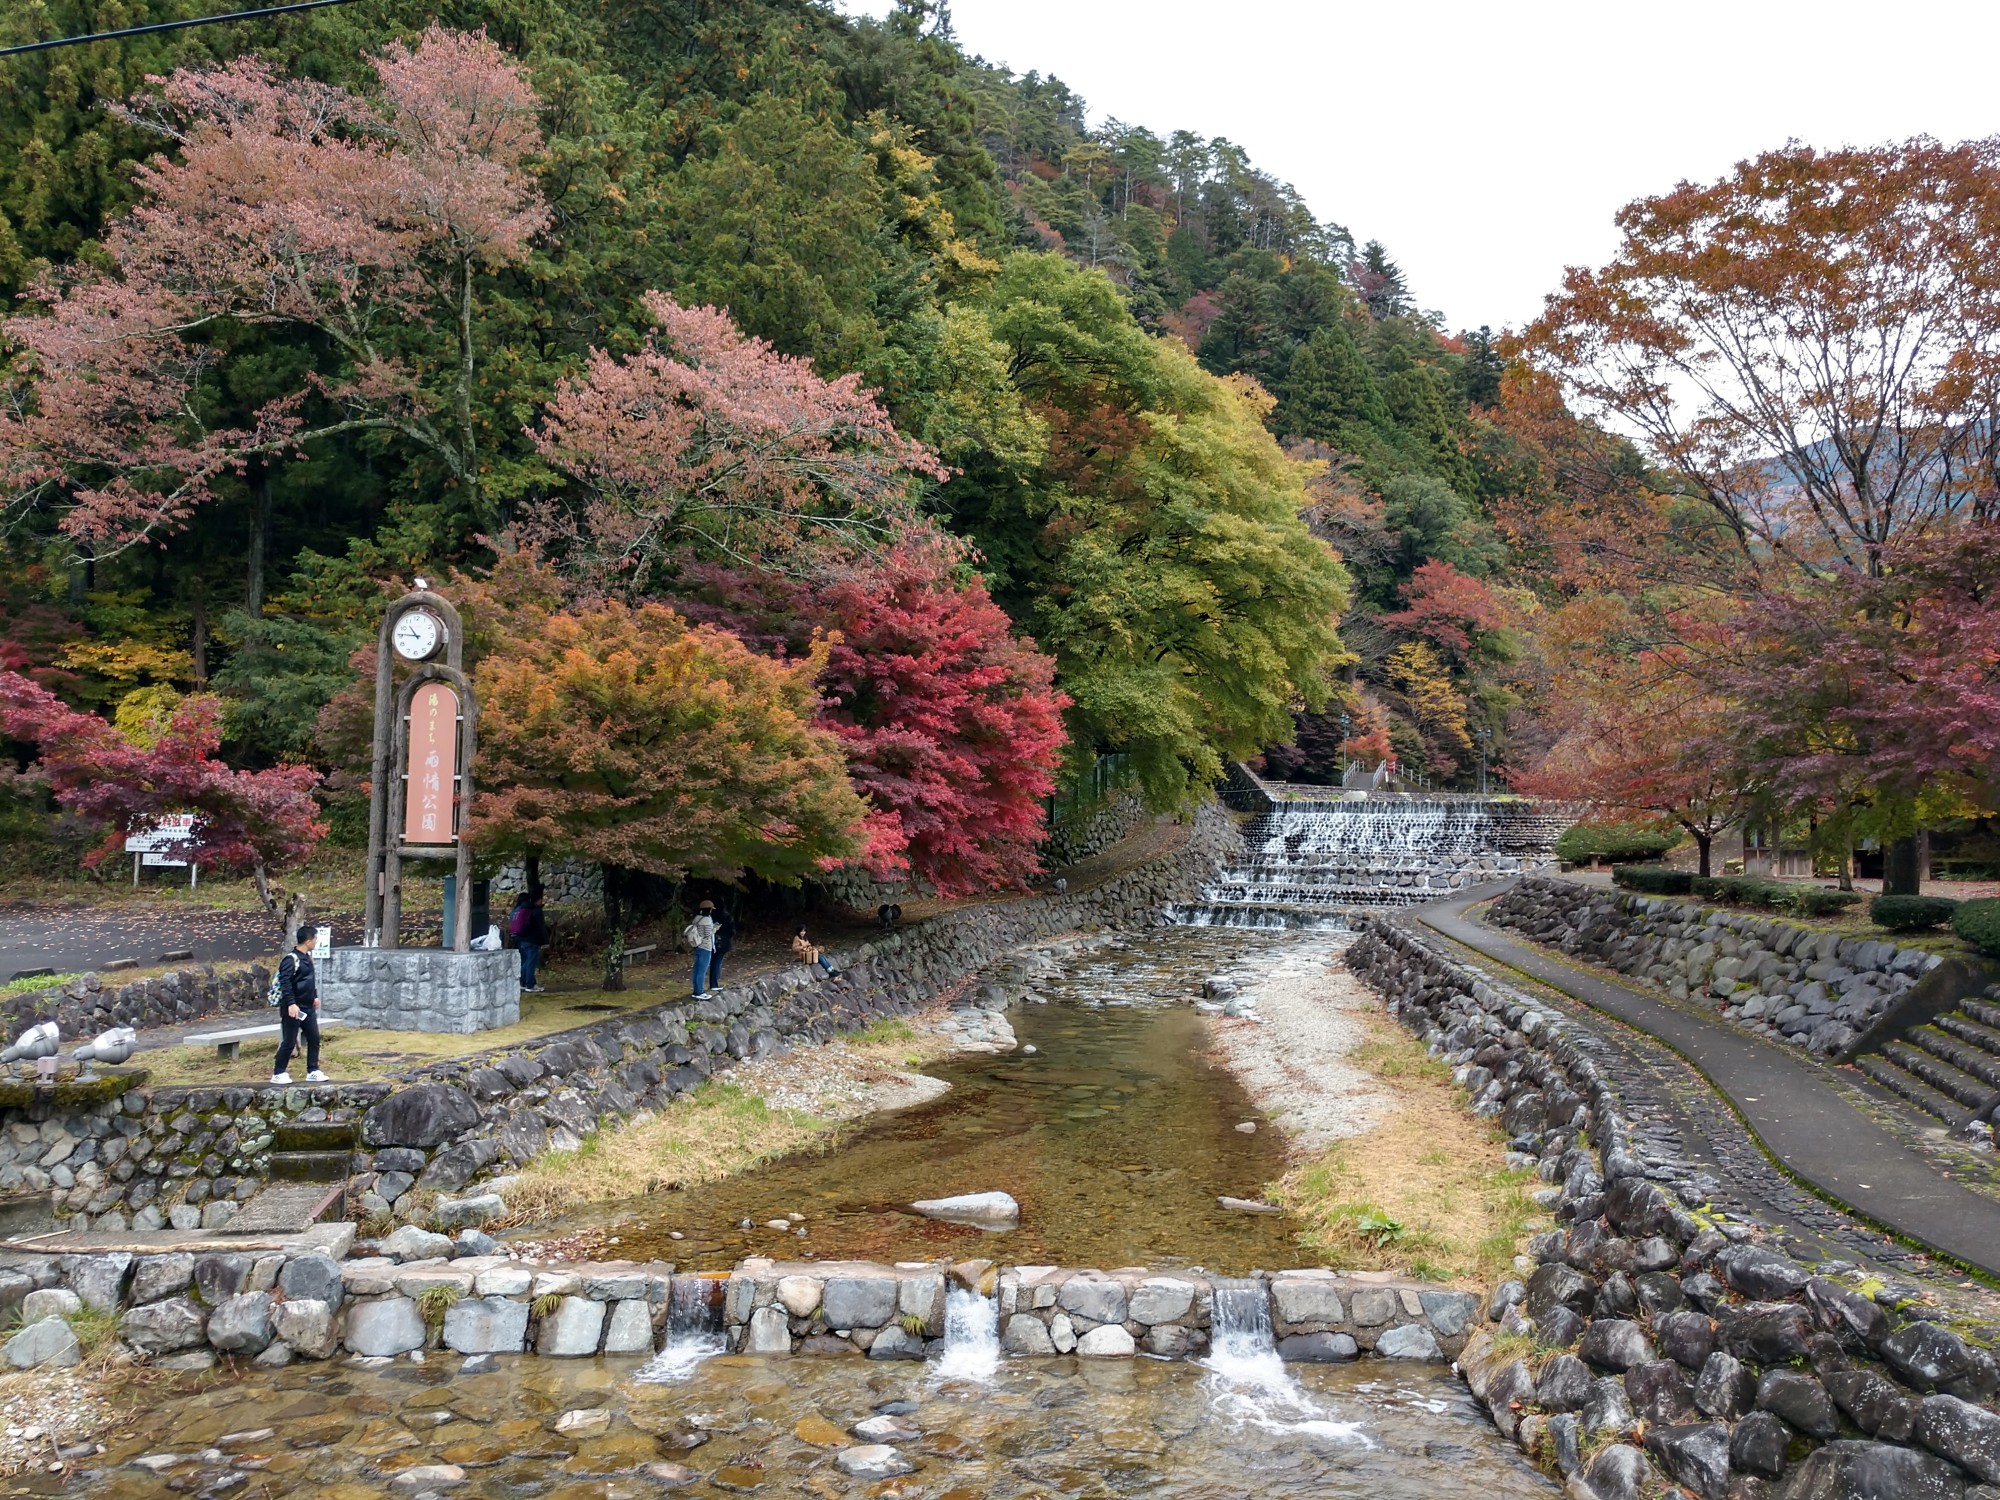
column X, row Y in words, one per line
column 175, row 828
column 157, row 861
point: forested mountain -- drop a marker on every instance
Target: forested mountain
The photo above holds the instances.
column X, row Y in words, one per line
column 1087, row 326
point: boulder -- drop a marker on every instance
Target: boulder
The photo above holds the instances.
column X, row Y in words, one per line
column 1660, row 1391
column 1687, row 1336
column 1163, row 1299
column 1800, row 1400
column 1316, row 1348
column 311, row 1278
column 1557, row 1285
column 1927, row 1356
column 98, row 1279
column 455, row 1166
column 629, row 1329
column 1410, row 1341
column 1770, row 1336
column 465, row 1213
column 157, row 1276
column 799, row 1295
column 306, row 1326
column 1872, row 1471
column 1026, row 1334
column 1968, row 1435
column 1109, row 1342
column 1618, row 1472
column 1696, row 1454
column 486, row 1325
column 49, row 1302
column 991, row 1211
column 385, row 1326
column 1564, row 1384
column 1758, row 1445
column 1097, row 1298
column 164, row 1327
column 47, row 1341
column 423, row 1117
column 895, row 1342
column 767, row 1332
column 1615, row 1344
column 242, row 1324
column 859, row 1301
column 412, row 1243
column 1725, row 1389
column 872, row 1461
column 573, row 1330
column 1760, row 1274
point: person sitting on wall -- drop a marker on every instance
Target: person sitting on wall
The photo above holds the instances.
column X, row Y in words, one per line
column 808, row 954
column 298, row 1014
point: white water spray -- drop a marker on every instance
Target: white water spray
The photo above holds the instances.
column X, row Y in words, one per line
column 1248, row 1385
column 694, row 1331
column 971, row 1337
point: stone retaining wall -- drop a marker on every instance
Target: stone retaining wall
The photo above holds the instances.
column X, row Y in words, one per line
column 89, row 1003
column 1648, row 1343
column 1093, row 830
column 898, row 1312
column 1796, row 984
column 148, row 1158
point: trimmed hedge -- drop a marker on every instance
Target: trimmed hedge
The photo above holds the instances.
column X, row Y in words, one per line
column 1743, row 890
column 1582, row 842
column 1818, row 901
column 1978, row 922
column 1911, row 913
column 1654, row 880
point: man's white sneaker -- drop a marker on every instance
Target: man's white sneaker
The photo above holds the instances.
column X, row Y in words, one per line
column 281, row 1078
column 315, row 1076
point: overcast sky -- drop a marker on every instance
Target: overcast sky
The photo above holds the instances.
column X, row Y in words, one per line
column 1489, row 145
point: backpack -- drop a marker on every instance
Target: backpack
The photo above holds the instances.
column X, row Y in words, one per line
column 275, row 995
column 518, row 923
column 691, row 935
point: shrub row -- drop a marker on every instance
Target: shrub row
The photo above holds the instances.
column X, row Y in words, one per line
column 1582, row 842
column 1910, row 913
column 1654, row 880
column 1978, row 922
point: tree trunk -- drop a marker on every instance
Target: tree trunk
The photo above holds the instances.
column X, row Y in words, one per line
column 533, row 876
column 1847, row 863
column 1901, row 867
column 614, row 924
column 198, row 646
column 260, row 538
column 1703, row 842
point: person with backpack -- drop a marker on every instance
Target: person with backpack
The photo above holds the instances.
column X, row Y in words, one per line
column 725, row 939
column 296, row 993
column 529, row 927
column 700, row 936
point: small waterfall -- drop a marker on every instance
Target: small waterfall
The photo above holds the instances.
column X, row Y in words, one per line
column 971, row 1337
column 1310, row 863
column 1248, row 1384
column 695, row 1329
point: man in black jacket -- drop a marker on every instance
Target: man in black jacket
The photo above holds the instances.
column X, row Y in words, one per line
column 298, row 1009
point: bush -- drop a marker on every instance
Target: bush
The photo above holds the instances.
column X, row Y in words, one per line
column 1911, row 913
column 1978, row 922
column 1818, row 901
column 1582, row 842
column 1743, row 890
column 1655, row 880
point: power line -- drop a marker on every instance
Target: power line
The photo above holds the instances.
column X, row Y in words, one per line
column 109, row 36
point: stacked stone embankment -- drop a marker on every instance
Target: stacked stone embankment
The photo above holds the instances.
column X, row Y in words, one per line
column 85, row 1004
column 1646, row 1344
column 898, row 1312
column 143, row 1158
column 1806, row 987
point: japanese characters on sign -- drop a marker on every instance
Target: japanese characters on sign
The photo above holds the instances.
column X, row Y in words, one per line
column 433, row 766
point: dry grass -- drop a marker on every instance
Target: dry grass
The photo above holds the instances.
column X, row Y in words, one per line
column 717, row 1130
column 1422, row 1194
column 762, row 1111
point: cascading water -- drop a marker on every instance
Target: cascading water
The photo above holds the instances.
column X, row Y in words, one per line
column 695, row 1330
column 971, row 1337
column 1311, row 862
column 1247, row 1383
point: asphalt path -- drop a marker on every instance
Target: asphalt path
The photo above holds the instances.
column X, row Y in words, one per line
column 74, row 941
column 1814, row 1133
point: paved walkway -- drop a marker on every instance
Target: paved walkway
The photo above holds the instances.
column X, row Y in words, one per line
column 1818, row 1136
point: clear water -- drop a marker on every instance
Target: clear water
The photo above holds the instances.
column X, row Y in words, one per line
column 1117, row 1135
column 971, row 1337
column 1043, row 1428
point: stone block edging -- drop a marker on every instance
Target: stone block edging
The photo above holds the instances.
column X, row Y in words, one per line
column 1663, row 1347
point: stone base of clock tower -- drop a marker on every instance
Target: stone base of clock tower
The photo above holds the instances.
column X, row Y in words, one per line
column 420, row 989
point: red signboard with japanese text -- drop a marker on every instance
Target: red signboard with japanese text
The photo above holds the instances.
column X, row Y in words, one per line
column 433, row 766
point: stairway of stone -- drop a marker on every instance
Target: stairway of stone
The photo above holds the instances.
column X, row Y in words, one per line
column 314, row 1151
column 1948, row 1067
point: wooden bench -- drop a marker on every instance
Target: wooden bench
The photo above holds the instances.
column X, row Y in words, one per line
column 226, row 1042
column 644, row 950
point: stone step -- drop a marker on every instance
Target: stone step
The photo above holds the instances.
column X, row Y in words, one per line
column 1940, row 1075
column 1966, row 1029
column 286, row 1207
column 1919, row 1093
column 1945, row 1045
column 316, row 1135
column 311, row 1166
column 1985, row 1012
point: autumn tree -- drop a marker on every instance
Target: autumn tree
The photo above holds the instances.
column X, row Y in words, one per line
column 710, row 445
column 1809, row 347
column 624, row 735
column 259, row 821
column 371, row 225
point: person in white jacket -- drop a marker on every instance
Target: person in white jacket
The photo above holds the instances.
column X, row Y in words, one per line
column 700, row 936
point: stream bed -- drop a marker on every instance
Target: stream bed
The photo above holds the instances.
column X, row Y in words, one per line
column 1117, row 1135
column 1062, row 1427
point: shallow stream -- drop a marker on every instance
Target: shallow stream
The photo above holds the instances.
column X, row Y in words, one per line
column 1117, row 1135
column 1061, row 1427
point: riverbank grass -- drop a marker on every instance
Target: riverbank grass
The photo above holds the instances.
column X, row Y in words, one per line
column 1424, row 1193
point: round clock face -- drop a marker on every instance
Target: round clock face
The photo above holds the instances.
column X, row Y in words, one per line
column 417, row 635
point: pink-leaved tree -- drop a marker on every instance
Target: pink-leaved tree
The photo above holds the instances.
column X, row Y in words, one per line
column 706, row 444
column 255, row 821
column 371, row 223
